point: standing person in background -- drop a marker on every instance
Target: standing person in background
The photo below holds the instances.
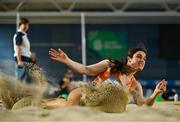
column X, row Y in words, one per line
column 22, row 52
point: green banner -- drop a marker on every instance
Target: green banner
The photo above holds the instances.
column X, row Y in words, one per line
column 107, row 44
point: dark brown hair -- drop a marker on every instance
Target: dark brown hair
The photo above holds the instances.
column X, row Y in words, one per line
column 23, row 21
column 139, row 47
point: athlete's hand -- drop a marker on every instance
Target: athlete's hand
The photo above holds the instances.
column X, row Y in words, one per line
column 161, row 87
column 58, row 55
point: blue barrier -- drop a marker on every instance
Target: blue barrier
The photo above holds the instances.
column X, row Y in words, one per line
column 152, row 83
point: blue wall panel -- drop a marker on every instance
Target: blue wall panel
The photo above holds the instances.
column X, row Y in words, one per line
column 68, row 37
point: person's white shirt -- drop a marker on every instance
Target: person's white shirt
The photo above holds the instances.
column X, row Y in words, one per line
column 21, row 39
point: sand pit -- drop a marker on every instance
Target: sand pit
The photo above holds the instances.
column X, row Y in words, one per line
column 160, row 112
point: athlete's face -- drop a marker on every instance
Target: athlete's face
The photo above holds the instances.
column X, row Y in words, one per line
column 138, row 60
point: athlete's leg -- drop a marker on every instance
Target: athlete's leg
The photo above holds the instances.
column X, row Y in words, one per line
column 73, row 99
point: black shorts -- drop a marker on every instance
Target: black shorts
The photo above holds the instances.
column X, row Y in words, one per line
column 25, row 59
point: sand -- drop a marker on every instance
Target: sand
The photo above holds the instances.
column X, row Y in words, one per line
column 160, row 112
column 16, row 95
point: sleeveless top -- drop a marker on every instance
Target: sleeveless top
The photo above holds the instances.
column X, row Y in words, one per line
column 106, row 76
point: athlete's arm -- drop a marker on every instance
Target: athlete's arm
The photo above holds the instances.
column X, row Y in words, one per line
column 92, row 70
